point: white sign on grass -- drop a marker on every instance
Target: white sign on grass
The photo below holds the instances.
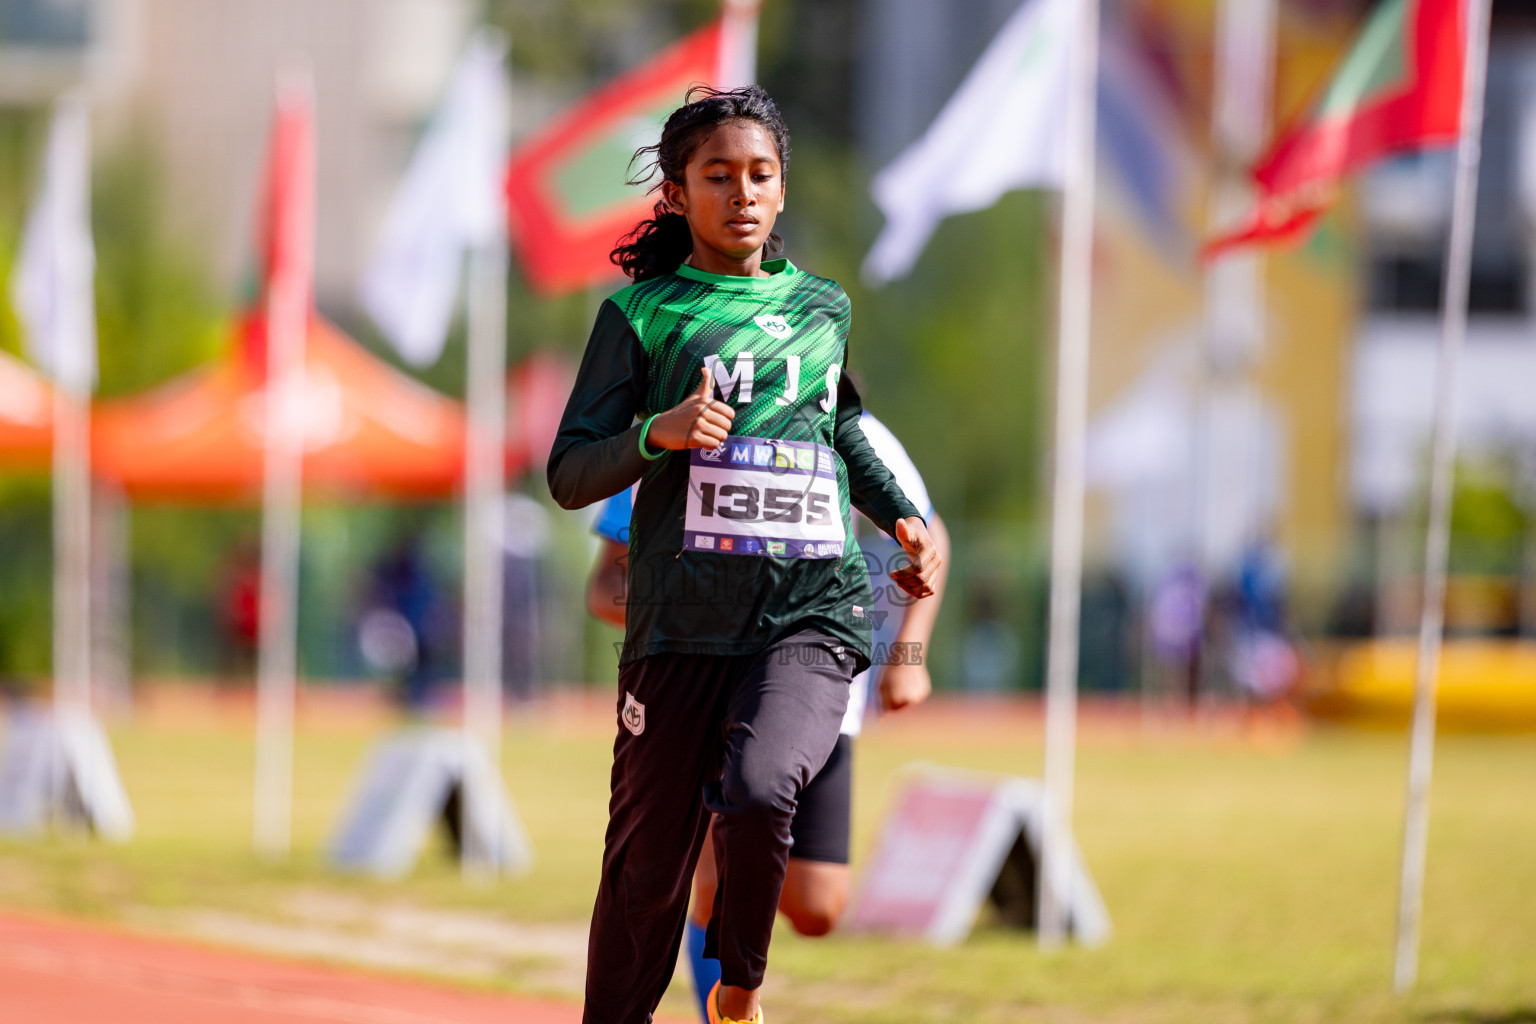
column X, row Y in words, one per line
column 952, row 841
column 60, row 768
column 415, row 780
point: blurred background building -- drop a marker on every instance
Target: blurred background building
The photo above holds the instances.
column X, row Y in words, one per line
column 1405, row 210
column 193, row 81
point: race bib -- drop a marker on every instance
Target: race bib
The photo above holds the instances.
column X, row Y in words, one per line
column 753, row 496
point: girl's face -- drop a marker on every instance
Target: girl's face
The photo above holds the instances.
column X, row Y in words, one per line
column 732, row 192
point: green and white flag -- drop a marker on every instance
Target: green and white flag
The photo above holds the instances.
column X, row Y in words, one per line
column 1398, row 89
column 1003, row 129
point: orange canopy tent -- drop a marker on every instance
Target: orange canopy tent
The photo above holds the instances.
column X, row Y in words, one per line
column 26, row 416
column 367, row 428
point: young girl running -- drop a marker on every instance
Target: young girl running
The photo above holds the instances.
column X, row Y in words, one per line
column 746, row 612
column 816, row 880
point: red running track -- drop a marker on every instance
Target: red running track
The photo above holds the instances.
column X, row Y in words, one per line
column 66, row 972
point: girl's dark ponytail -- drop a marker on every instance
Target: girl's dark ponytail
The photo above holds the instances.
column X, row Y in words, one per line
column 660, row 244
column 657, row 246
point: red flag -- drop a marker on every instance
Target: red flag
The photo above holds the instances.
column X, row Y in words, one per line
column 1398, row 89
column 566, row 194
column 286, row 228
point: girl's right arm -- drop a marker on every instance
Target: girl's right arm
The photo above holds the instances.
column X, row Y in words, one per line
column 597, row 452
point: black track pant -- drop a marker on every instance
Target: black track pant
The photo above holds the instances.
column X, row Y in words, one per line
column 743, row 734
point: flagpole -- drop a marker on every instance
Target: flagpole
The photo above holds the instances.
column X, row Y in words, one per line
column 54, row 298
column 71, row 556
column 484, row 521
column 73, row 373
column 1067, row 505
column 110, row 609
column 484, row 491
column 738, row 48
column 1234, row 284
column 287, row 322
column 1453, row 328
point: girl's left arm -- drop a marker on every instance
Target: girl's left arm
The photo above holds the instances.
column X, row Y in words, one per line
column 874, row 491
column 597, row 452
column 871, row 487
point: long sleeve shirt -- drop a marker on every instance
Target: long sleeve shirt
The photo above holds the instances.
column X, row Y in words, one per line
column 734, row 548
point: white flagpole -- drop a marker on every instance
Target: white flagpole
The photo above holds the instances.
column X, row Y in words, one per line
column 484, row 490
column 110, row 669
column 287, row 315
column 52, row 293
column 1234, row 289
column 484, row 520
column 74, row 359
column 72, row 549
column 71, row 579
column 738, row 45
column 1453, row 329
column 1067, row 503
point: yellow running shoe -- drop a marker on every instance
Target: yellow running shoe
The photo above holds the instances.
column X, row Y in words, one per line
column 716, row 1017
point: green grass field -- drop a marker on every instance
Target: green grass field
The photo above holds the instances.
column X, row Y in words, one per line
column 1247, row 882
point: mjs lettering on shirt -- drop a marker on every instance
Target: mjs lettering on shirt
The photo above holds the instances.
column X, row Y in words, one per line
column 738, row 381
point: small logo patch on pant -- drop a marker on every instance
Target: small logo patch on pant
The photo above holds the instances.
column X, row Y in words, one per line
column 633, row 715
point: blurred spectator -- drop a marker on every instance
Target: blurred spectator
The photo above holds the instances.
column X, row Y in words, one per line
column 1177, row 626
column 1260, row 658
column 1262, row 581
column 1263, row 664
column 1104, row 644
column 399, row 632
column 240, row 612
column 525, row 541
column 1354, row 612
column 990, row 658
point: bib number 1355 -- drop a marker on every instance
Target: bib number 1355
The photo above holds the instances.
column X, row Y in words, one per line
column 752, row 496
column 777, row 505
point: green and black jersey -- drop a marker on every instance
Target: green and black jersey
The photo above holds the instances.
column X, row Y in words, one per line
column 730, row 549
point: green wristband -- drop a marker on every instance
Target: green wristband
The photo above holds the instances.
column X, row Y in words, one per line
column 645, row 429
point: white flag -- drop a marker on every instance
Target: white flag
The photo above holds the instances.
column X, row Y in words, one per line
column 1003, row 129
column 450, row 200
column 52, row 289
